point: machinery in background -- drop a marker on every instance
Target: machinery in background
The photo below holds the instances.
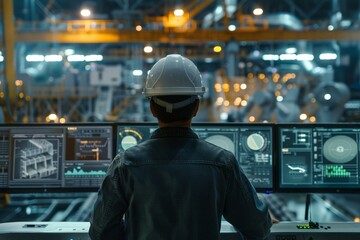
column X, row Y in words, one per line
column 299, row 98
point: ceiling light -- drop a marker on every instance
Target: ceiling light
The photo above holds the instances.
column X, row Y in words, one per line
column 231, row 27
column 138, row 28
column 85, row 12
column 279, row 98
column 137, row 72
column 303, row 116
column 327, row 96
column 285, row 57
column 53, row 58
column 148, row 49
column 258, row 11
column 35, row 58
column 76, row 58
column 224, row 116
column 69, row 51
column 270, row 57
column 291, row 50
column 327, row 56
column 305, row 57
column 178, row 12
column 93, row 58
column 217, row 48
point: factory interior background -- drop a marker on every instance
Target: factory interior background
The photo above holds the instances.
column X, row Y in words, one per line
column 262, row 61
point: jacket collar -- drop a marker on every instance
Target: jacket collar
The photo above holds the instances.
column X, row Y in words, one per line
column 180, row 132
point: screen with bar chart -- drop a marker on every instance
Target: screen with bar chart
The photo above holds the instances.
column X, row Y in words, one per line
column 319, row 157
column 54, row 157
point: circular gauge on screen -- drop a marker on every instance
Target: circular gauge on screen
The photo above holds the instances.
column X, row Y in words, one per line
column 128, row 141
column 256, row 142
column 340, row 149
column 128, row 138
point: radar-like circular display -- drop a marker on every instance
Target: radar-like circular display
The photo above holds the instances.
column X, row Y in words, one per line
column 340, row 149
column 255, row 142
column 128, row 141
column 223, row 142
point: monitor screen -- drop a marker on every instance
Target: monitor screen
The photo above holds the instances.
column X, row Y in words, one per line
column 319, row 157
column 55, row 157
column 250, row 143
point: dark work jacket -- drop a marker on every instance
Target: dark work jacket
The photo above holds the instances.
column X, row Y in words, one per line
column 176, row 186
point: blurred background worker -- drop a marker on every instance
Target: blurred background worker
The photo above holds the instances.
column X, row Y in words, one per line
column 176, row 186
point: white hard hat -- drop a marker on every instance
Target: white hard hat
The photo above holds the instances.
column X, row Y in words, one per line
column 174, row 75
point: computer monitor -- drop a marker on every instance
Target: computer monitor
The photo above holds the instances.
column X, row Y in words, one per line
column 252, row 145
column 4, row 158
column 67, row 157
column 318, row 157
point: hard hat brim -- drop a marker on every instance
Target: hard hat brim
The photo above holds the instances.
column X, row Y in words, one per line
column 151, row 92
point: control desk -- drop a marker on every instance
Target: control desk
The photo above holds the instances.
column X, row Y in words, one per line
column 280, row 231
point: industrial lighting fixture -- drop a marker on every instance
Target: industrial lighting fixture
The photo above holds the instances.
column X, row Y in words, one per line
column 291, row 50
column 328, row 56
column 53, row 58
column 35, row 58
column 279, row 98
column 303, row 116
column 284, row 57
column 312, row 119
column 137, row 72
column 93, row 58
column 69, row 51
column 76, row 58
column 148, row 49
column 224, row 116
column 258, row 11
column 270, row 57
column 85, row 12
column 52, row 117
column 231, row 27
column 305, row 57
column 331, row 28
column 178, row 12
column 138, row 28
column 327, row 96
column 217, row 48
column 62, row 120
column 252, row 119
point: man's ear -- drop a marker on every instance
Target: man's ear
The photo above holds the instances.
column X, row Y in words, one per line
column 152, row 108
column 197, row 104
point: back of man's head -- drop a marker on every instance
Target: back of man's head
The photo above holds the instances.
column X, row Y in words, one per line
column 174, row 85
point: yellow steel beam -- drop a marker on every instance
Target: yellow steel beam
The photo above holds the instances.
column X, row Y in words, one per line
column 9, row 36
column 197, row 36
column 197, row 8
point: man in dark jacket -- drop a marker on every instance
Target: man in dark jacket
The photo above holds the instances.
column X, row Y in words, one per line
column 176, row 186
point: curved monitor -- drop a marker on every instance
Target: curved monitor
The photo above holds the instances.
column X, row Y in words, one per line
column 51, row 157
column 252, row 145
column 318, row 157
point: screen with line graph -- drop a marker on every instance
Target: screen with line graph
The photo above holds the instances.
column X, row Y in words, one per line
column 319, row 157
column 89, row 152
column 54, row 157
